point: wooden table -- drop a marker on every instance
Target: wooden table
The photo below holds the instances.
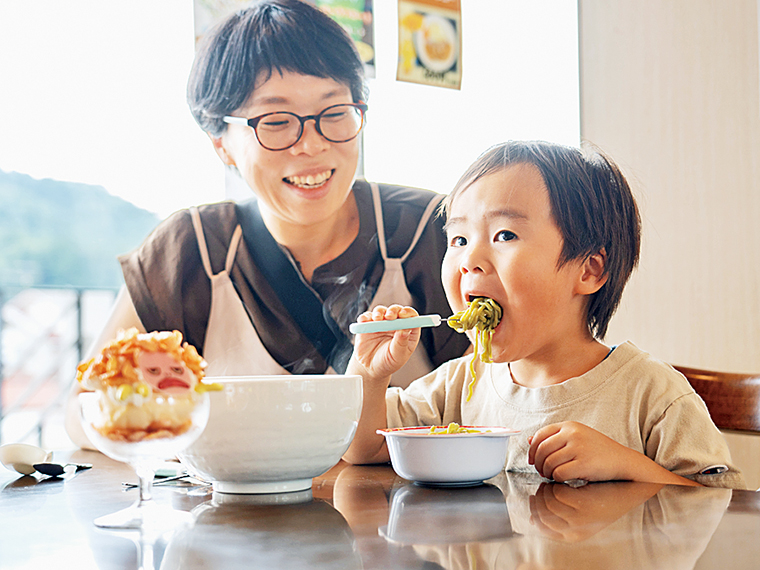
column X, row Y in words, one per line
column 367, row 517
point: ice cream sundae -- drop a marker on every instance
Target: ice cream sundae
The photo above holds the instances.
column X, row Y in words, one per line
column 149, row 384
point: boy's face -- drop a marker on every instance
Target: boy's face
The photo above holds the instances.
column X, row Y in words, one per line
column 503, row 243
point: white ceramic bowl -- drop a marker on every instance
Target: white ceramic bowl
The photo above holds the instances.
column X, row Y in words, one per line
column 456, row 459
column 273, row 434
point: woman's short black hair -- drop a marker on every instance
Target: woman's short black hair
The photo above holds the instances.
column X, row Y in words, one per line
column 266, row 37
column 592, row 204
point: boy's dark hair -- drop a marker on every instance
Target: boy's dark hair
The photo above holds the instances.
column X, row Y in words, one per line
column 591, row 203
column 267, row 37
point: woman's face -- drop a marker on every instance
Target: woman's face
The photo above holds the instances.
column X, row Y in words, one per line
column 308, row 182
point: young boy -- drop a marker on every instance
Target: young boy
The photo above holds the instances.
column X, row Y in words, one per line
column 552, row 234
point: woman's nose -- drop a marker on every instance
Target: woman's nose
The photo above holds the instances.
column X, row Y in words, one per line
column 311, row 142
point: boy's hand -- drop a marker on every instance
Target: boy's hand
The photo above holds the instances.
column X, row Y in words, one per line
column 376, row 357
column 571, row 450
column 381, row 354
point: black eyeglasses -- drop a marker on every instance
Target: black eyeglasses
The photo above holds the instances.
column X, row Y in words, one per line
column 281, row 130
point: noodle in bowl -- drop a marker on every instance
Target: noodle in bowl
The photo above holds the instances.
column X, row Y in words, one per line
column 462, row 458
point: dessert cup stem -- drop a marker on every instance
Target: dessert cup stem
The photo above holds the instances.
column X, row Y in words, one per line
column 145, row 474
column 145, row 555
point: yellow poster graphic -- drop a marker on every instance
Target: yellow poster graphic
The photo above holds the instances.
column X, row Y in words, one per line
column 430, row 42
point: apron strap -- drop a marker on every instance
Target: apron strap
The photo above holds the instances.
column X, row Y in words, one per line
column 431, row 207
column 379, row 223
column 232, row 251
column 203, row 248
column 196, row 217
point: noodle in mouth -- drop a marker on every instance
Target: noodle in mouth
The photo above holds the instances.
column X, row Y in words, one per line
column 481, row 314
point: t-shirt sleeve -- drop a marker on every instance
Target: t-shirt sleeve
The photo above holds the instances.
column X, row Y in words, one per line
column 685, row 441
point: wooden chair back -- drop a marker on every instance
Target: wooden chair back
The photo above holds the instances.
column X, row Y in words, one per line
column 732, row 399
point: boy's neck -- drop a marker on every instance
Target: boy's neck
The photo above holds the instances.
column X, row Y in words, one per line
column 540, row 372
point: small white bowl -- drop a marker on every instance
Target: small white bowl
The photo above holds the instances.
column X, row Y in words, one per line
column 441, row 459
column 273, row 434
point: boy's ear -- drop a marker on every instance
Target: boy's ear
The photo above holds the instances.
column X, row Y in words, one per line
column 593, row 273
column 220, row 150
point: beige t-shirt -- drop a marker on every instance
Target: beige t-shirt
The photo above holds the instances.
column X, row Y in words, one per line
column 631, row 397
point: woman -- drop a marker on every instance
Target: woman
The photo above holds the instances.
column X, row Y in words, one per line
column 270, row 286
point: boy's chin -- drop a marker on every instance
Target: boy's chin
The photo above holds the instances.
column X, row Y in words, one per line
column 500, row 356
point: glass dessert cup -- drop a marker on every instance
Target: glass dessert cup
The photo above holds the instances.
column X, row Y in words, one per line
column 145, row 455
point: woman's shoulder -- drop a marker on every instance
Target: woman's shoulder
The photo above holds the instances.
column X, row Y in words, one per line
column 177, row 234
column 397, row 195
column 216, row 217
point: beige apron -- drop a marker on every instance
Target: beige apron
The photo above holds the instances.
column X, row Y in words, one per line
column 393, row 290
column 233, row 347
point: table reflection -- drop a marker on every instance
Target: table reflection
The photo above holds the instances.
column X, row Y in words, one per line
column 368, row 517
column 289, row 530
column 523, row 522
column 422, row 515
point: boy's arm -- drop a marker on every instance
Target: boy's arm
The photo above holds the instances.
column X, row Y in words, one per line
column 367, row 446
column 376, row 357
column 571, row 450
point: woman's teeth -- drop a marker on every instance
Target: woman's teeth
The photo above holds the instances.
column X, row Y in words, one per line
column 310, row 181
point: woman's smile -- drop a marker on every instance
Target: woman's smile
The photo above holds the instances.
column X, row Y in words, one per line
column 309, row 181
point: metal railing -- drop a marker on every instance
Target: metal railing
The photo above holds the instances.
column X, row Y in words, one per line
column 43, row 334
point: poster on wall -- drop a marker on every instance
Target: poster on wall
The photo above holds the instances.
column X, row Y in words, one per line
column 430, row 42
column 355, row 16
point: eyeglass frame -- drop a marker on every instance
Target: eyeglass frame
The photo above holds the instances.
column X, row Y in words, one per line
column 254, row 122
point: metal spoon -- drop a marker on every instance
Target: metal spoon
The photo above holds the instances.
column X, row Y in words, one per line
column 56, row 469
column 161, row 481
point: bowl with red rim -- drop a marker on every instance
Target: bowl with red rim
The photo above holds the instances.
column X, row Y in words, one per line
column 433, row 457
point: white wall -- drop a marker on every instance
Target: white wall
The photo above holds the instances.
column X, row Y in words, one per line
column 672, row 91
column 519, row 81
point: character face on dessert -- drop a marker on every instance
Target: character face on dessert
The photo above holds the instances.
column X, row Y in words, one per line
column 144, row 363
column 164, row 373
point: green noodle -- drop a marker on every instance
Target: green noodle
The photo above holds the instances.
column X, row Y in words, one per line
column 482, row 314
column 453, row 427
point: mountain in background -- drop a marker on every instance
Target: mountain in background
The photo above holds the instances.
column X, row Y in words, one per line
column 56, row 233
